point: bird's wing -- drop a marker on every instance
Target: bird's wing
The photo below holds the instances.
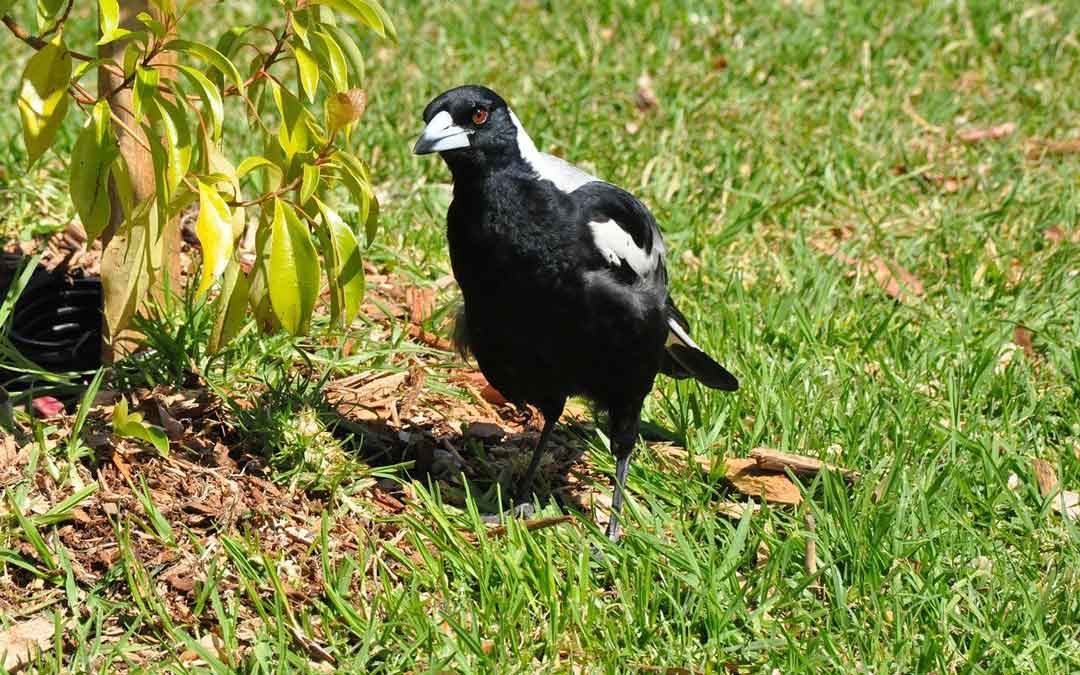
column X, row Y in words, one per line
column 622, row 232
column 627, row 238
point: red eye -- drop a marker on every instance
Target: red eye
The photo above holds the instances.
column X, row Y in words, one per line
column 479, row 116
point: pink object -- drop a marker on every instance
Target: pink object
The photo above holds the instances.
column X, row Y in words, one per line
column 46, row 407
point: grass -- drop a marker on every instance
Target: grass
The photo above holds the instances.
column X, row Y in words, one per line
column 780, row 126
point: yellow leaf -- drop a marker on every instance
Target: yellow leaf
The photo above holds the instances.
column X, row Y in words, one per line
column 43, row 101
column 215, row 231
column 294, row 270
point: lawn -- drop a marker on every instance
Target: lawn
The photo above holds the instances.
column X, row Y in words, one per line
column 872, row 213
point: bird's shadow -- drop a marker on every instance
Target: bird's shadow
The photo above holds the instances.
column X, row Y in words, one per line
column 484, row 461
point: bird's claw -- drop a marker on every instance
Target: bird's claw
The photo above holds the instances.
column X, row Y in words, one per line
column 522, row 510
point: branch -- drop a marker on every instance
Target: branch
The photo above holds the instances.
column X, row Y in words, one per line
column 35, row 41
column 60, row 21
column 263, row 70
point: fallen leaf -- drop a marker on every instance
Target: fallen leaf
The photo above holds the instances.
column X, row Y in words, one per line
column 1045, row 476
column 646, row 98
column 1067, row 504
column 485, row 431
column 1053, row 234
column 492, row 395
column 21, row 643
column 993, row 133
column 750, row 479
column 1022, row 337
column 421, row 303
column 1039, row 147
column 47, row 407
column 173, row 429
column 899, row 283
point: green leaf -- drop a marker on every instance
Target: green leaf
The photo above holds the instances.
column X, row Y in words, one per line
column 214, row 228
column 91, row 159
column 131, row 425
column 294, row 135
column 309, row 183
column 259, row 162
column 156, row 27
column 5, row 5
column 293, row 270
column 109, row 21
column 344, row 266
column 178, row 141
column 357, row 180
column 85, row 67
column 230, row 307
column 43, row 101
column 332, row 59
column 211, row 57
column 365, row 12
column 309, row 70
column 353, row 56
column 144, row 91
column 211, row 97
column 371, row 223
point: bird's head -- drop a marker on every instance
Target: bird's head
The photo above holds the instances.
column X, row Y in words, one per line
column 469, row 125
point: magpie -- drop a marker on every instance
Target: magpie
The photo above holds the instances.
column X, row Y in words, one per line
column 562, row 275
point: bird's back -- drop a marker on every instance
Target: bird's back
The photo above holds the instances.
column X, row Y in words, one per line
column 538, row 319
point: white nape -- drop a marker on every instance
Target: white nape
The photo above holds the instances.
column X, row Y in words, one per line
column 563, row 174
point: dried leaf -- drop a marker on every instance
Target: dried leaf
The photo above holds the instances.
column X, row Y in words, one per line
column 1045, row 476
column 646, row 98
column 22, row 642
column 750, row 479
column 1039, row 148
column 897, row 281
column 974, row 135
column 1022, row 337
column 421, row 303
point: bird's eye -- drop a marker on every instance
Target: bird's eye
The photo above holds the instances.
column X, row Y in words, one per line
column 479, row 116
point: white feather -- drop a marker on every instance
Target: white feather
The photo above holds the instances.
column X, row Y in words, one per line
column 677, row 334
column 617, row 245
column 563, row 174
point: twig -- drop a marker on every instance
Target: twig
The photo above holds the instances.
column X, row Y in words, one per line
column 33, row 40
column 60, row 21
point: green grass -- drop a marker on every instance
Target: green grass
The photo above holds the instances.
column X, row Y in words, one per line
column 778, row 123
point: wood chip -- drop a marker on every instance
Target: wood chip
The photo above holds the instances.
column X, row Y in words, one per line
column 774, row 460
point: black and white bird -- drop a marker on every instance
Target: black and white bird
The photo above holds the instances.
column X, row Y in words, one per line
column 562, row 275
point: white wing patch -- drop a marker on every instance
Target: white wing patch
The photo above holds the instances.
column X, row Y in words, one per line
column 617, row 246
column 677, row 334
column 563, row 174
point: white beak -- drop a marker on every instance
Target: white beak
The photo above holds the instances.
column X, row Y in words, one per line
column 441, row 134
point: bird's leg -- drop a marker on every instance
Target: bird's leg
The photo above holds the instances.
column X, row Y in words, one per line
column 551, row 418
column 624, row 431
column 622, row 466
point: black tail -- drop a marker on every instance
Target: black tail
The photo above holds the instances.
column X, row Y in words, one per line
column 683, row 358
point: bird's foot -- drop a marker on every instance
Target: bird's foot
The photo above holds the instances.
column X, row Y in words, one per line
column 522, row 510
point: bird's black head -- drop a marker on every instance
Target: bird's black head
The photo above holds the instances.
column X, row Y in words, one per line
column 469, row 126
